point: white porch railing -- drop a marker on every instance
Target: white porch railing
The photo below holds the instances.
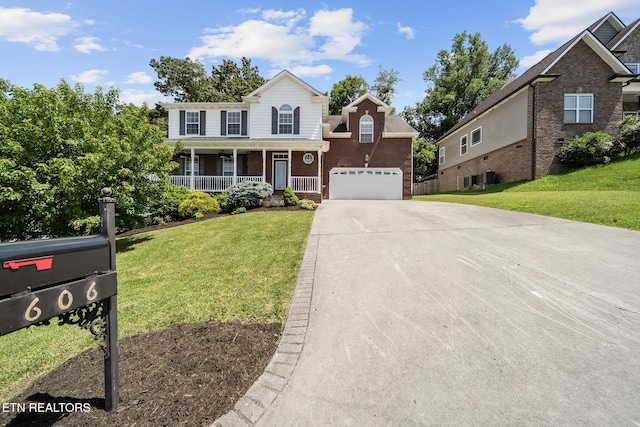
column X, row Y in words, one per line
column 304, row 184
column 209, row 183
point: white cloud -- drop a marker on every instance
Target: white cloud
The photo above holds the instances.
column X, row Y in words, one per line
column 286, row 39
column 90, row 76
column 408, row 32
column 139, row 77
column 88, row 44
column 556, row 22
column 531, row 60
column 39, row 30
column 311, row 70
column 137, row 97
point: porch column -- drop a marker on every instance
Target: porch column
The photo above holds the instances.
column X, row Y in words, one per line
column 193, row 163
column 319, row 189
column 264, row 165
column 289, row 168
column 235, row 165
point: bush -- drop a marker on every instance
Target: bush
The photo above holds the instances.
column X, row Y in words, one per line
column 223, row 201
column 239, row 210
column 308, row 204
column 166, row 207
column 630, row 134
column 290, row 198
column 197, row 204
column 248, row 194
column 592, row 148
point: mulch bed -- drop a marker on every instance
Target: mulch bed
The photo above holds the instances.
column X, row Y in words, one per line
column 185, row 375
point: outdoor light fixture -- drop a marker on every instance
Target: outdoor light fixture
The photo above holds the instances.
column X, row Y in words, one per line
column 366, row 160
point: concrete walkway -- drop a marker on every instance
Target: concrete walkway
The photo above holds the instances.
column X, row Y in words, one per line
column 418, row 314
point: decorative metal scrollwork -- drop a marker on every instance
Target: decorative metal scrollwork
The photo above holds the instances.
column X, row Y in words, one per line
column 92, row 317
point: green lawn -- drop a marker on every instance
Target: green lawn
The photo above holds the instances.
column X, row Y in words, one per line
column 603, row 194
column 233, row 268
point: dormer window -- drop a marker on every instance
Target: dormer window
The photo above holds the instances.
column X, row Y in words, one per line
column 366, row 129
column 285, row 119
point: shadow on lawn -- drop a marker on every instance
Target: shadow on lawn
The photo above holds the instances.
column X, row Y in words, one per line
column 126, row 244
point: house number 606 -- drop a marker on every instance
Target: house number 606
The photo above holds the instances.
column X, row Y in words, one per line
column 65, row 301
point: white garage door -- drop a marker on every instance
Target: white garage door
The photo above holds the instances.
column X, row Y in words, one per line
column 365, row 184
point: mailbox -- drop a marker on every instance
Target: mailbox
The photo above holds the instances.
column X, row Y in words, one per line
column 31, row 265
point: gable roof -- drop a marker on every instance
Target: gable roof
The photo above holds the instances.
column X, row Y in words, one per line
column 542, row 71
column 284, row 74
column 622, row 35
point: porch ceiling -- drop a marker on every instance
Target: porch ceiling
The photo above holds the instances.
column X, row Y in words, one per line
column 251, row 144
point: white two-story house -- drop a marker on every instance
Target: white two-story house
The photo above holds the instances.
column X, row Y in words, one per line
column 281, row 133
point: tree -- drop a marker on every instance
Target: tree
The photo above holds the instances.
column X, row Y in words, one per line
column 187, row 81
column 424, row 159
column 345, row 92
column 384, row 87
column 59, row 147
column 461, row 79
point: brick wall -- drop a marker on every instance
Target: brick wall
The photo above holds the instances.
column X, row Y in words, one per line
column 581, row 71
column 383, row 152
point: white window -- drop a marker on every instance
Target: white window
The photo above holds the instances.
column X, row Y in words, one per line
column 193, row 123
column 634, row 68
column 464, row 144
column 233, row 122
column 285, row 120
column 196, row 165
column 476, row 136
column 366, row 129
column 227, row 166
column 578, row 108
column 441, row 156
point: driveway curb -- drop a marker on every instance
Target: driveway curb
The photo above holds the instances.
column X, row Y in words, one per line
column 252, row 406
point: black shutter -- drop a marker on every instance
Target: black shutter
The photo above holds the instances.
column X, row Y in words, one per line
column 244, row 123
column 203, row 122
column 274, row 120
column 223, row 122
column 182, row 122
column 296, row 121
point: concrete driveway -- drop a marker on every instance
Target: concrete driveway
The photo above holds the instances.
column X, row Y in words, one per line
column 426, row 314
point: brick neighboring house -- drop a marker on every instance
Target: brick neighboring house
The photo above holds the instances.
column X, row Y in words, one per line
column 282, row 134
column 588, row 84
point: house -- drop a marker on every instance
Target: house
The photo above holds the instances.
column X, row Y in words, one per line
column 588, row 84
column 282, row 134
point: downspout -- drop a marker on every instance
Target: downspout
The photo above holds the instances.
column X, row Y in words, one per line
column 533, row 134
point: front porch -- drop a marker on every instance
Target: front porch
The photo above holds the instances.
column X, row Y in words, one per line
column 214, row 170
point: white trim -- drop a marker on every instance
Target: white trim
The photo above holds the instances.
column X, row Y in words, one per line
column 577, row 108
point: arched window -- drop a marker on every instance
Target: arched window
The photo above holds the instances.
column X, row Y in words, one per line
column 366, row 129
column 285, row 119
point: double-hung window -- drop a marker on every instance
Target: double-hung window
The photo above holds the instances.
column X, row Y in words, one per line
column 441, row 156
column 464, row 145
column 476, row 136
column 366, row 129
column 193, row 122
column 227, row 166
column 578, row 108
column 285, row 119
column 234, row 120
column 196, row 165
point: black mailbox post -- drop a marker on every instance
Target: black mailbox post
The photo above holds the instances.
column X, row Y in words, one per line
column 73, row 279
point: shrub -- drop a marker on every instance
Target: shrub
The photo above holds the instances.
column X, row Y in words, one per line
column 197, row 204
column 274, row 203
column 223, row 201
column 630, row 134
column 308, row 204
column 289, row 197
column 239, row 210
column 590, row 149
column 248, row 194
column 166, row 207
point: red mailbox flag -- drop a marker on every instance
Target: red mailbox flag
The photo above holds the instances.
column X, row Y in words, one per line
column 41, row 263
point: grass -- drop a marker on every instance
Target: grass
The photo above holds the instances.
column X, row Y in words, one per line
column 603, row 194
column 235, row 268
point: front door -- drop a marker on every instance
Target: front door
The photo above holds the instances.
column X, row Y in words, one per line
column 280, row 175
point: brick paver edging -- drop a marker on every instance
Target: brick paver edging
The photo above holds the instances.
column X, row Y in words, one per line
column 250, row 408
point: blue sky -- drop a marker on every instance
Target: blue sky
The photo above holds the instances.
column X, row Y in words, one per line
column 106, row 44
